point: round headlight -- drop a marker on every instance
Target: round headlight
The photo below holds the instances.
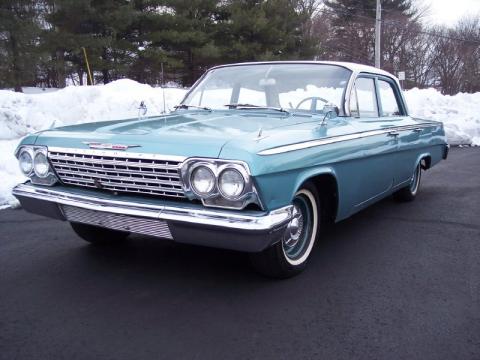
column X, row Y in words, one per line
column 26, row 162
column 231, row 183
column 202, row 180
column 40, row 164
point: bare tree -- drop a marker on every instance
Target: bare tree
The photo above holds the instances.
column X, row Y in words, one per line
column 468, row 29
column 455, row 57
column 418, row 61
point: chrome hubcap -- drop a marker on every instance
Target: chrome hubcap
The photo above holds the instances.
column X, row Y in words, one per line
column 294, row 228
column 415, row 180
column 298, row 232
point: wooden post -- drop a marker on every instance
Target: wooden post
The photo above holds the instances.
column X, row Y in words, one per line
column 88, row 65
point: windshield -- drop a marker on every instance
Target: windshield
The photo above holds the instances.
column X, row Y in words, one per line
column 299, row 87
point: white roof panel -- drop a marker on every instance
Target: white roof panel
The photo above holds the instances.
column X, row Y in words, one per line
column 349, row 65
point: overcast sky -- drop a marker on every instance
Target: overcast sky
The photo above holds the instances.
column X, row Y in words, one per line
column 448, row 12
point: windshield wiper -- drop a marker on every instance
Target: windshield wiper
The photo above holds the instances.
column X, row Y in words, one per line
column 251, row 106
column 185, row 106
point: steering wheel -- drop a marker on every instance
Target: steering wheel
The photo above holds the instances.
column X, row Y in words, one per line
column 314, row 99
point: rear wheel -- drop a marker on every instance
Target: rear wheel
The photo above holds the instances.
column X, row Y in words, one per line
column 289, row 256
column 408, row 193
column 98, row 235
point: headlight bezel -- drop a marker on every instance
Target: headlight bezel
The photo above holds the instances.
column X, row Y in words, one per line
column 192, row 172
column 216, row 198
column 50, row 178
column 31, row 153
column 44, row 153
column 239, row 170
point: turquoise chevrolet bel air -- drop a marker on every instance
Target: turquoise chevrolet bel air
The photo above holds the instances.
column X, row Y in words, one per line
column 258, row 157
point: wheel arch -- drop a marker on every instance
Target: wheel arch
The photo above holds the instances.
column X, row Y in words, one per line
column 425, row 160
column 325, row 181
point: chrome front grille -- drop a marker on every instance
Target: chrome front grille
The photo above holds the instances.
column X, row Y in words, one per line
column 120, row 222
column 116, row 171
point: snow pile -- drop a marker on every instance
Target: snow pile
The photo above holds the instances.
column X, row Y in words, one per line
column 10, row 174
column 22, row 114
column 459, row 113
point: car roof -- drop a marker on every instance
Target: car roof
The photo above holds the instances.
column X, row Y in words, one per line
column 354, row 67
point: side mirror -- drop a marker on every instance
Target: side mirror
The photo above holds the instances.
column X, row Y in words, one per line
column 331, row 112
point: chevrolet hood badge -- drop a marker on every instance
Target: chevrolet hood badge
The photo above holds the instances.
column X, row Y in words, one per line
column 97, row 145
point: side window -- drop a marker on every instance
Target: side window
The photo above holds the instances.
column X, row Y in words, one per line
column 366, row 97
column 388, row 99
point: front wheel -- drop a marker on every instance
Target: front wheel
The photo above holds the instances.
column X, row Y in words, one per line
column 408, row 193
column 97, row 235
column 289, row 256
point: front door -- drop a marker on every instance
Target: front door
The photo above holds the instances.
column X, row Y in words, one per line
column 373, row 165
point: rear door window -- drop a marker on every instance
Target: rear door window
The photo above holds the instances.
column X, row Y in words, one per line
column 388, row 99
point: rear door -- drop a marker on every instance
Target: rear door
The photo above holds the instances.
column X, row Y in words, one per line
column 407, row 131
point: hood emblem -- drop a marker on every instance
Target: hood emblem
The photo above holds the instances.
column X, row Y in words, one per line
column 97, row 145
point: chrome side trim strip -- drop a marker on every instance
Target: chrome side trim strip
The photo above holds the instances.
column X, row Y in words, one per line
column 339, row 138
column 225, row 219
column 113, row 153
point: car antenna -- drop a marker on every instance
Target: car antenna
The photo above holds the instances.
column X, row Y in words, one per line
column 163, row 95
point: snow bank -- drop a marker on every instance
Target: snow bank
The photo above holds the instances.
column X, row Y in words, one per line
column 459, row 113
column 21, row 114
column 10, row 174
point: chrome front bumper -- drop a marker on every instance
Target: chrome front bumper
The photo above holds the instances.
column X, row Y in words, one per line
column 244, row 231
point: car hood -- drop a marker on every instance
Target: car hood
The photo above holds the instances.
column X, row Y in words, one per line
column 183, row 133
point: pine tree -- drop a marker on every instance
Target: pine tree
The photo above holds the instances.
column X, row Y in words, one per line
column 19, row 39
column 264, row 30
column 149, row 57
column 189, row 34
column 101, row 27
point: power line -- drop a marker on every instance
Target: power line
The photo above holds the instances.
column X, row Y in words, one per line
column 389, row 22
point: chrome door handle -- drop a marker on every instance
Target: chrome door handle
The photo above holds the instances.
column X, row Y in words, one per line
column 393, row 133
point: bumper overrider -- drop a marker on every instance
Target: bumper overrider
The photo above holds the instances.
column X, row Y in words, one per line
column 250, row 231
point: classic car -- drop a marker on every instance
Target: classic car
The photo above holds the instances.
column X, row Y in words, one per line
column 258, row 157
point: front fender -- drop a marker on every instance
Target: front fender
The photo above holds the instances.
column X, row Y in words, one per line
column 312, row 173
column 277, row 189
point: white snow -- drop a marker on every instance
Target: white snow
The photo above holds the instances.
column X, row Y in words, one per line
column 10, row 173
column 22, row 114
column 459, row 113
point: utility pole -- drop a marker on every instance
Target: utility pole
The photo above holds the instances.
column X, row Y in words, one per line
column 378, row 31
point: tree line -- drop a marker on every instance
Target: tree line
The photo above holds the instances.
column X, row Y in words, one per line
column 44, row 42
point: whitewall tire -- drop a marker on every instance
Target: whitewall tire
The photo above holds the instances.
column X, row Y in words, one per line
column 290, row 255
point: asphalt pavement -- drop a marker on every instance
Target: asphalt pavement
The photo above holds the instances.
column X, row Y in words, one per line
column 396, row 281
